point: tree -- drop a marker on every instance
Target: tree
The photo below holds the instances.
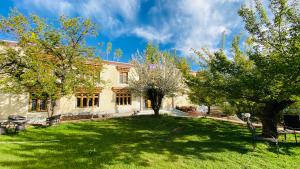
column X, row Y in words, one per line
column 108, row 49
column 118, row 54
column 155, row 79
column 49, row 61
column 266, row 75
column 201, row 91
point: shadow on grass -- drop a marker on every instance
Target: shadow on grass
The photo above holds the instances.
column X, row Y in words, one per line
column 131, row 140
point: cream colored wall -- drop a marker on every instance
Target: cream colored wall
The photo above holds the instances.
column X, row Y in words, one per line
column 67, row 104
column 13, row 104
column 107, row 98
column 107, row 104
column 178, row 100
column 18, row 104
column 111, row 76
column 182, row 100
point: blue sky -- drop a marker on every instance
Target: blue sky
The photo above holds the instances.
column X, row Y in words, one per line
column 130, row 24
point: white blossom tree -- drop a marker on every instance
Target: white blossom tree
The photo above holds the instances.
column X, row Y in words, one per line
column 155, row 77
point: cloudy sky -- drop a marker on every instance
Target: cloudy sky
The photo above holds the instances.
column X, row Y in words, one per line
column 130, row 24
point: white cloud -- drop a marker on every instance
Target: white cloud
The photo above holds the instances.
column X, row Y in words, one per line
column 152, row 34
column 196, row 23
column 185, row 24
column 60, row 7
column 113, row 16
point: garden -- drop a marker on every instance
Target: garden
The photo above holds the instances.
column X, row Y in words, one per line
column 144, row 142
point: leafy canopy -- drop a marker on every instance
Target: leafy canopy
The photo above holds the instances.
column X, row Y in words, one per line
column 48, row 60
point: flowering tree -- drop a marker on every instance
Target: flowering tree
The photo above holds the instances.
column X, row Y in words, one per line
column 155, row 78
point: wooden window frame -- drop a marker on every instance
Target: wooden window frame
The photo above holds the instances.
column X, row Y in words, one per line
column 123, row 99
column 38, row 106
column 124, row 77
column 88, row 97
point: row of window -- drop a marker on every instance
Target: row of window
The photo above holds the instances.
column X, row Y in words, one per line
column 82, row 101
column 123, row 99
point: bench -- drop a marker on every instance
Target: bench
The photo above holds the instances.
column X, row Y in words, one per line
column 3, row 126
column 53, row 120
column 291, row 124
column 18, row 122
column 13, row 121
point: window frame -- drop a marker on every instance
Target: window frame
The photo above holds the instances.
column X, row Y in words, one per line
column 38, row 104
column 123, row 99
column 80, row 97
column 123, row 79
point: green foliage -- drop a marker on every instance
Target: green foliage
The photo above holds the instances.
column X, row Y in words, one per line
column 294, row 108
column 228, row 108
column 182, row 65
column 151, row 53
column 201, row 90
column 51, row 61
column 108, row 49
column 264, row 79
column 118, row 53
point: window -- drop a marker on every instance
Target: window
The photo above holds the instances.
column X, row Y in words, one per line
column 123, row 99
column 37, row 104
column 124, row 77
column 84, row 100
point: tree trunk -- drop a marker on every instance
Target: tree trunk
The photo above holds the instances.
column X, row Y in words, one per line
column 269, row 127
column 155, row 96
column 51, row 106
column 269, row 118
column 208, row 109
column 156, row 112
column 156, row 104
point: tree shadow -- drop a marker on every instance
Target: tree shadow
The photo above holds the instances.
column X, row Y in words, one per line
column 125, row 141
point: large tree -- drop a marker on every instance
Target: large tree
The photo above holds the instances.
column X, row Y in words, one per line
column 49, row 61
column 155, row 76
column 201, row 89
column 266, row 75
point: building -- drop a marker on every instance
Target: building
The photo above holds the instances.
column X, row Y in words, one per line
column 112, row 97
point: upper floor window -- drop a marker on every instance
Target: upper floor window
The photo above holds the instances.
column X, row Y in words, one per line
column 124, row 77
column 123, row 70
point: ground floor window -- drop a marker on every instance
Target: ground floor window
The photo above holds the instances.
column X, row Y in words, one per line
column 123, row 98
column 84, row 100
column 37, row 104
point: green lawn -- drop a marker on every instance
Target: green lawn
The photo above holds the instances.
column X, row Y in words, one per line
column 143, row 142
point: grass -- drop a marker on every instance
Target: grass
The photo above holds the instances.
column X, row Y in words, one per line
column 143, row 142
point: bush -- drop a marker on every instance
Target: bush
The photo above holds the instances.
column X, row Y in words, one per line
column 293, row 109
column 186, row 108
column 228, row 109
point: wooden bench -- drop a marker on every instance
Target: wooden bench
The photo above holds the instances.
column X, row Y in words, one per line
column 53, row 120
